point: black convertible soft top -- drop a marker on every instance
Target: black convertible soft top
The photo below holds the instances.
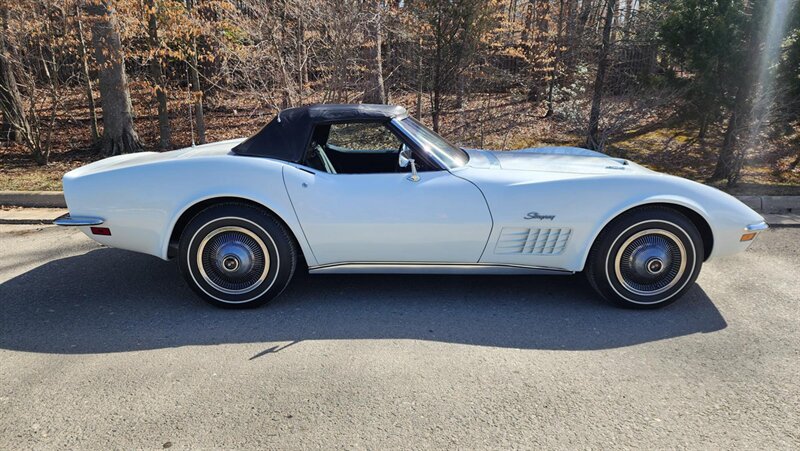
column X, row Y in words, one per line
column 286, row 137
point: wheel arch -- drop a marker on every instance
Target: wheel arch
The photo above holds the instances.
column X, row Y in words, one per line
column 190, row 212
column 697, row 218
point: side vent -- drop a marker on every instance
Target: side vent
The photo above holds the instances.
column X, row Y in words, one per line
column 532, row 241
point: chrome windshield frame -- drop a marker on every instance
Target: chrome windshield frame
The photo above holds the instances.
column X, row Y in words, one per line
column 397, row 123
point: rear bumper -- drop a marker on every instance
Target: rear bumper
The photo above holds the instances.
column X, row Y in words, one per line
column 77, row 221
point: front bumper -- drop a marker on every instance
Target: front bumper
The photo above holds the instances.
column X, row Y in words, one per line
column 77, row 221
column 757, row 227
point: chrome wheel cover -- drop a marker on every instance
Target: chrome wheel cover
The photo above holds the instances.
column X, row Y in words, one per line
column 650, row 262
column 233, row 260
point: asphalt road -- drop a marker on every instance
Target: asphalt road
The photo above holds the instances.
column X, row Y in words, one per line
column 102, row 348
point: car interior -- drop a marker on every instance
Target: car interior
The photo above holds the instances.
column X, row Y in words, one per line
column 354, row 148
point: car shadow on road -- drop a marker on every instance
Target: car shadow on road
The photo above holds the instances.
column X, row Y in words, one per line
column 109, row 300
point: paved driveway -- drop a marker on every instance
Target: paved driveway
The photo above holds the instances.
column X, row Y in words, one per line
column 106, row 348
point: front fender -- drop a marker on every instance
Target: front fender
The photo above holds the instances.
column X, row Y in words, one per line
column 583, row 204
column 725, row 215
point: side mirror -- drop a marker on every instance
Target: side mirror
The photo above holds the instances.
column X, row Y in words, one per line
column 404, row 159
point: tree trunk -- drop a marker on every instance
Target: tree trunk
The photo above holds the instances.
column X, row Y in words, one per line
column 419, row 78
column 158, row 77
column 197, row 93
column 726, row 159
column 41, row 150
column 302, row 56
column 387, row 50
column 197, row 96
column 701, row 134
column 571, row 37
column 374, row 91
column 540, row 51
column 583, row 16
column 592, row 139
column 437, row 75
column 277, row 41
column 5, row 128
column 119, row 135
column 85, row 69
column 628, row 18
column 460, row 90
column 556, row 60
column 10, row 98
column 437, row 101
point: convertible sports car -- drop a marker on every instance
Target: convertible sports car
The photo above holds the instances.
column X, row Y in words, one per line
column 369, row 189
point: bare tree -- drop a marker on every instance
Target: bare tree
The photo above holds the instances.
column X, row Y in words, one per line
column 10, row 99
column 159, row 83
column 556, row 51
column 194, row 80
column 592, row 141
column 456, row 30
column 31, row 129
column 40, row 138
column 374, row 91
column 119, row 135
column 84, row 57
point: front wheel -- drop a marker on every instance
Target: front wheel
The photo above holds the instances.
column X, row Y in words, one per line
column 236, row 255
column 647, row 258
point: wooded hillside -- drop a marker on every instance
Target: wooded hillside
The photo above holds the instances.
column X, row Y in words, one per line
column 708, row 89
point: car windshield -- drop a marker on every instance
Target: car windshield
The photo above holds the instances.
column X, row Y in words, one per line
column 449, row 155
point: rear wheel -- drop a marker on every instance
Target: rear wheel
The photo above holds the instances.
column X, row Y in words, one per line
column 646, row 258
column 237, row 255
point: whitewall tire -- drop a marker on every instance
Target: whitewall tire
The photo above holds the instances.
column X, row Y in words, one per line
column 237, row 255
column 646, row 258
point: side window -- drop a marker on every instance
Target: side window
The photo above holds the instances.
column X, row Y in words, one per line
column 362, row 137
column 357, row 148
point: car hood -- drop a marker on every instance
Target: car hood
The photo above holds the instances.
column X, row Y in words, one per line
column 552, row 159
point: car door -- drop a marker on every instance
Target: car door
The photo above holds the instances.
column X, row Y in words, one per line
column 386, row 217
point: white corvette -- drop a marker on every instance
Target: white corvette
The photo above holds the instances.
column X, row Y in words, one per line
column 368, row 189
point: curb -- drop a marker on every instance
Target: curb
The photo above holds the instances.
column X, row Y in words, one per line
column 26, row 221
column 772, row 204
column 30, row 216
column 37, row 199
column 777, row 221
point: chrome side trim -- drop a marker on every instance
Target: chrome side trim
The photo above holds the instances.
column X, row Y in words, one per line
column 757, row 227
column 77, row 221
column 432, row 268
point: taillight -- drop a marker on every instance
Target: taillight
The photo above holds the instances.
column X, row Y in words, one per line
column 101, row 231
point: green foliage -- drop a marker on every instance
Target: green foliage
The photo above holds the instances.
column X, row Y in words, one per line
column 707, row 39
